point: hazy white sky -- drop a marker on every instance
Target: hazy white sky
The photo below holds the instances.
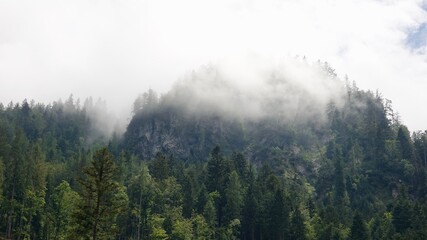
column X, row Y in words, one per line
column 117, row 49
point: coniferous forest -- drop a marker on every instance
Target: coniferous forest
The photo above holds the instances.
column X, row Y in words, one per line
column 176, row 174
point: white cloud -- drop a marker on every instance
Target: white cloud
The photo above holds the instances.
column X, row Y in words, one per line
column 117, row 49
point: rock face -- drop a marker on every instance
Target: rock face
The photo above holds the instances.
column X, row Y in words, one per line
column 281, row 108
column 186, row 137
column 190, row 137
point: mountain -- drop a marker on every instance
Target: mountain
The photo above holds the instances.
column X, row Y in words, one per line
column 289, row 153
column 207, row 109
column 199, row 114
column 306, row 140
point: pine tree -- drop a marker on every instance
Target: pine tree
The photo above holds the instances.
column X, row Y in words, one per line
column 201, row 229
column 405, row 143
column 250, row 210
column 402, row 214
column 217, row 171
column 240, row 165
column 64, row 201
column 233, row 197
column 279, row 212
column 15, row 182
column 297, row 230
column 339, row 190
column 359, row 231
column 102, row 199
column 382, row 227
column 141, row 200
column 35, row 192
column 160, row 168
column 209, row 211
column 189, row 196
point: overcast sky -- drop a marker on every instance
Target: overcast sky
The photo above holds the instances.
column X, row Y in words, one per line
column 117, row 49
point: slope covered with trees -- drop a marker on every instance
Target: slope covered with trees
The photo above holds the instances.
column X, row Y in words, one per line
column 353, row 173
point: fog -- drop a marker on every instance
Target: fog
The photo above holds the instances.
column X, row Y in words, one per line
column 291, row 90
column 115, row 50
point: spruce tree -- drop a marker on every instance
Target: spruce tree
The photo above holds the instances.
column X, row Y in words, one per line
column 250, row 210
column 359, row 231
column 402, row 214
column 217, row 171
column 279, row 217
column 160, row 167
column 141, row 200
column 233, row 197
column 15, row 181
column 405, row 143
column 64, row 201
column 102, row 199
column 298, row 230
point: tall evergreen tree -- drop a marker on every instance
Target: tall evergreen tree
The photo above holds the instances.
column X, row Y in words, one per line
column 102, row 199
column 402, row 213
column 279, row 222
column 297, row 228
column 233, row 198
column 15, row 182
column 250, row 210
column 405, row 143
column 240, row 165
column 189, row 196
column 160, row 167
column 35, row 192
column 141, row 200
column 64, row 202
column 359, row 230
column 339, row 187
column 217, row 171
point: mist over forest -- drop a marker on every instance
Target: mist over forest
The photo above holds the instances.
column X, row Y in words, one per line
column 276, row 151
column 222, row 120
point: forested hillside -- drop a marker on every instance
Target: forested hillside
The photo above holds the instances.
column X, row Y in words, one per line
column 345, row 168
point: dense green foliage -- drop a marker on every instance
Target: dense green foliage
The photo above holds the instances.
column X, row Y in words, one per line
column 358, row 175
